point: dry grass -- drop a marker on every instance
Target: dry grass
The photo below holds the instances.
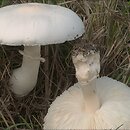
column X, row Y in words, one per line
column 106, row 25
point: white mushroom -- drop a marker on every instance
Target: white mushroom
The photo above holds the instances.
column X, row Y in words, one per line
column 92, row 103
column 33, row 25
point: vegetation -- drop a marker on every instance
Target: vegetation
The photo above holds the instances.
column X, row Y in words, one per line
column 107, row 25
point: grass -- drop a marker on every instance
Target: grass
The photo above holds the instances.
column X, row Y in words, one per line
column 106, row 25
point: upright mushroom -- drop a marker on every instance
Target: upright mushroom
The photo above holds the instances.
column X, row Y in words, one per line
column 33, row 25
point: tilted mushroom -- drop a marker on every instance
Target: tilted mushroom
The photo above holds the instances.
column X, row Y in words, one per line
column 33, row 25
column 92, row 103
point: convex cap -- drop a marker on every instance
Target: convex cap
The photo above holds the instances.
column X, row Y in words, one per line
column 38, row 24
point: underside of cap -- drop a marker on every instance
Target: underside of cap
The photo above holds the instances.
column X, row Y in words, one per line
column 38, row 24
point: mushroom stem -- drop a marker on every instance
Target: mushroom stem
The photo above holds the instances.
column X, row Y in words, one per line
column 92, row 102
column 24, row 79
column 87, row 70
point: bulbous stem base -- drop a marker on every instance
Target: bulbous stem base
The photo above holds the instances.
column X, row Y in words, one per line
column 24, row 79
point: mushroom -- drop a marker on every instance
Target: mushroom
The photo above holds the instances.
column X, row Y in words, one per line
column 92, row 103
column 33, row 25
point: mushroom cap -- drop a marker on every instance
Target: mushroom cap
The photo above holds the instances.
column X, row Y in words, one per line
column 38, row 24
column 68, row 111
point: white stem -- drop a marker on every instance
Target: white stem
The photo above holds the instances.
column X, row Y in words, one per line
column 24, row 79
column 87, row 70
column 91, row 99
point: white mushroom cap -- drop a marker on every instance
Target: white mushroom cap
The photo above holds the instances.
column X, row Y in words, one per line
column 38, row 24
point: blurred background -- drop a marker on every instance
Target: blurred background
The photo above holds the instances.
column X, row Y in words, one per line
column 107, row 25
